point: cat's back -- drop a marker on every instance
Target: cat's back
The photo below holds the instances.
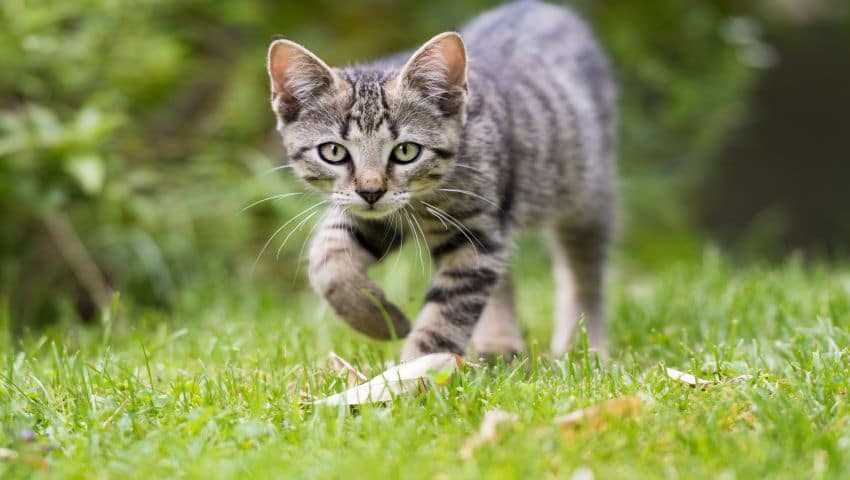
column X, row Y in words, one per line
column 539, row 78
column 522, row 24
column 535, row 43
column 527, row 32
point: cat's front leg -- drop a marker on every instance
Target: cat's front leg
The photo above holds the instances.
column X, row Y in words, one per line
column 461, row 288
column 340, row 254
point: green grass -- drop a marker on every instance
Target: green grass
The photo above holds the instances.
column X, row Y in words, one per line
column 212, row 390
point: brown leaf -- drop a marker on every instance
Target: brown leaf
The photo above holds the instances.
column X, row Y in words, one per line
column 292, row 388
column 339, row 365
column 488, row 432
column 597, row 416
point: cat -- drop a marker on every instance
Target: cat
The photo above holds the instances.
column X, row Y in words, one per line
column 474, row 137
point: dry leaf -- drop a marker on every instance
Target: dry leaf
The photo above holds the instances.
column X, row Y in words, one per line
column 582, row 473
column 8, row 454
column 687, row 378
column 596, row 416
column 292, row 388
column 339, row 365
column 404, row 378
column 488, row 431
column 693, row 381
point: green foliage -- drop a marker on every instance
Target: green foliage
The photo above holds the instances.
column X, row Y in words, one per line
column 145, row 125
column 682, row 79
column 684, row 88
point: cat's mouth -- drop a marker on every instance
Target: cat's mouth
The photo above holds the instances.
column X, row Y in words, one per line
column 373, row 212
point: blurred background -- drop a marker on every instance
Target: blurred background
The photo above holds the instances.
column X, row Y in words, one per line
column 133, row 134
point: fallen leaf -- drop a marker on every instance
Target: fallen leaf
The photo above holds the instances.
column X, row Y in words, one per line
column 740, row 379
column 687, row 378
column 582, row 473
column 34, row 461
column 339, row 365
column 488, row 432
column 293, row 389
column 404, row 378
column 8, row 454
column 596, row 417
column 693, row 381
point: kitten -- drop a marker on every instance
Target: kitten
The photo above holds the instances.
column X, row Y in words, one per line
column 473, row 138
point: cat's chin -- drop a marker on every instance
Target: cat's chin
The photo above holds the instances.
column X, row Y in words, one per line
column 371, row 213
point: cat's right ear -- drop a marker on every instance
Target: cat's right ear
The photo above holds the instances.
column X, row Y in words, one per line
column 296, row 76
column 438, row 70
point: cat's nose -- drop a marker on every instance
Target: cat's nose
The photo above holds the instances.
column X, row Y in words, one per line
column 372, row 196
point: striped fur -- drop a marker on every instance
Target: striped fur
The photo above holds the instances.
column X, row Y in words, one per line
column 517, row 127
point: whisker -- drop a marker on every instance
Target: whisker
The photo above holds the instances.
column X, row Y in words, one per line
column 425, row 242
column 445, row 226
column 309, row 237
column 416, row 239
column 277, row 232
column 452, row 219
column 463, row 229
column 471, row 194
column 390, row 226
column 291, row 232
column 279, row 167
column 471, row 239
column 399, row 228
column 279, row 196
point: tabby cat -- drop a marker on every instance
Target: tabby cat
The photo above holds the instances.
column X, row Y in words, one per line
column 459, row 146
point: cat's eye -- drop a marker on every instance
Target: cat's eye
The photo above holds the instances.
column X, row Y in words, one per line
column 405, row 152
column 333, row 153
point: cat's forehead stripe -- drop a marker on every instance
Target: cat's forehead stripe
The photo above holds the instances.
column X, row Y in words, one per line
column 368, row 108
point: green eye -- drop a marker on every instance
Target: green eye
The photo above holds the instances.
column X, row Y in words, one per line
column 405, row 152
column 333, row 153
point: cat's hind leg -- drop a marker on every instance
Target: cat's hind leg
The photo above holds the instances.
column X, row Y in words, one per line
column 579, row 255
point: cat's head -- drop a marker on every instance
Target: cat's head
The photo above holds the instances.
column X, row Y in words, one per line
column 371, row 139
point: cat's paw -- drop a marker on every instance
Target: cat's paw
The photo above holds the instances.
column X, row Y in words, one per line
column 494, row 358
column 411, row 352
column 367, row 310
column 495, row 343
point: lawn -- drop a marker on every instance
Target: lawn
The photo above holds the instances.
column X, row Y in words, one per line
column 214, row 388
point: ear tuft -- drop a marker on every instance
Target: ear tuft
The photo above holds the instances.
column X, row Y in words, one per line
column 296, row 75
column 438, row 69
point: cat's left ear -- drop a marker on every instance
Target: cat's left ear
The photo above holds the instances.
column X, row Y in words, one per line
column 438, row 70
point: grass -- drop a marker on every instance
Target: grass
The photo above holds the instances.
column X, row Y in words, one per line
column 213, row 389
